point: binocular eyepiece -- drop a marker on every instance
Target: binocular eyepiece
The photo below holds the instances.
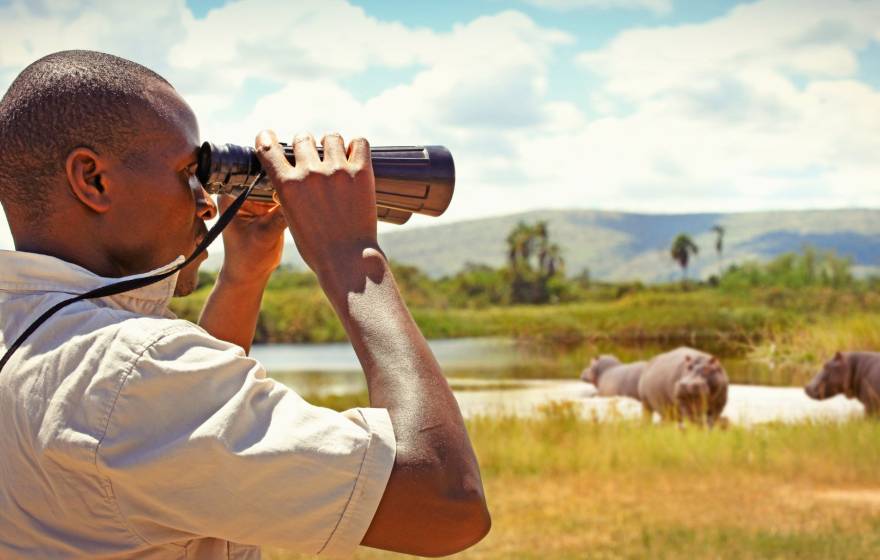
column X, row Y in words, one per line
column 409, row 179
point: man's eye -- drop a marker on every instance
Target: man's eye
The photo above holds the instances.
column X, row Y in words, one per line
column 194, row 184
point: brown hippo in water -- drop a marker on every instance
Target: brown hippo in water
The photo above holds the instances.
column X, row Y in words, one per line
column 612, row 377
column 684, row 384
column 854, row 374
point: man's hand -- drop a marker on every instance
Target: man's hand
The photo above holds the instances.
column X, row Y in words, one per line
column 330, row 205
column 253, row 241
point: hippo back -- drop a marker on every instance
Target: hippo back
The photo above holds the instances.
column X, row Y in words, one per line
column 622, row 380
column 657, row 384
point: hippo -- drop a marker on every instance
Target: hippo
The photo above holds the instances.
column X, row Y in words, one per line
column 855, row 374
column 613, row 378
column 684, row 384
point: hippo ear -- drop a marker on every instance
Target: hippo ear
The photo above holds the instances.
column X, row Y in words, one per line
column 714, row 360
column 838, row 356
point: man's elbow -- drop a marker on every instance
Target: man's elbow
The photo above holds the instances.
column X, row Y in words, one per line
column 475, row 525
column 466, row 519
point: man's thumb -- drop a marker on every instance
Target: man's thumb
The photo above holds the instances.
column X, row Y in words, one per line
column 271, row 156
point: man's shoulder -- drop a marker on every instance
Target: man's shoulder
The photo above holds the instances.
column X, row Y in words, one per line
column 129, row 336
column 145, row 330
column 162, row 335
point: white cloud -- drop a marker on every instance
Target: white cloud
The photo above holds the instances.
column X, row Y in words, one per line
column 308, row 40
column 477, row 85
column 759, row 108
column 140, row 31
column 657, row 6
column 484, row 84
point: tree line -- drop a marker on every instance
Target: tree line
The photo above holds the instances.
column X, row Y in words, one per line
column 534, row 273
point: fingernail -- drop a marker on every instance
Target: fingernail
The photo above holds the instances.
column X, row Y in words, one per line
column 265, row 139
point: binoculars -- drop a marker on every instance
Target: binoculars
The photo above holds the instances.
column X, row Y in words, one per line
column 409, row 179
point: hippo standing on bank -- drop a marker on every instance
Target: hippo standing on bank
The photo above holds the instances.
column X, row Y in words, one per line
column 614, row 378
column 684, row 384
column 854, row 374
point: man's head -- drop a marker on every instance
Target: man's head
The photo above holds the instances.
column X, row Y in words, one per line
column 96, row 155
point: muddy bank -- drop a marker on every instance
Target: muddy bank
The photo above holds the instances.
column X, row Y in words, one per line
column 747, row 404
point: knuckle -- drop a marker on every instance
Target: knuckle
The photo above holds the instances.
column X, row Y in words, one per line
column 360, row 141
column 321, row 170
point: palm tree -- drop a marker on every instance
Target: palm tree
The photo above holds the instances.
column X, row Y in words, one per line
column 682, row 249
column 551, row 260
column 719, row 245
column 525, row 244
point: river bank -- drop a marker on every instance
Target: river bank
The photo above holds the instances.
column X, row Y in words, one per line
column 746, row 404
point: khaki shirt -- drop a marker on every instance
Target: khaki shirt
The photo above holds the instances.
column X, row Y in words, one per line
column 125, row 432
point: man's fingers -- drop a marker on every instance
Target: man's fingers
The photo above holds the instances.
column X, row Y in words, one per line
column 305, row 152
column 359, row 153
column 334, row 150
column 271, row 156
column 276, row 219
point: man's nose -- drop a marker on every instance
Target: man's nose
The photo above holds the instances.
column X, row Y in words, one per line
column 206, row 209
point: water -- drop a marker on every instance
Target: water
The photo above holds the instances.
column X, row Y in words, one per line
column 334, row 368
column 453, row 354
column 496, row 375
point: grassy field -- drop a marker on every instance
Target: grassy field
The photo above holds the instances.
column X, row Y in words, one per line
column 769, row 335
column 300, row 313
column 560, row 487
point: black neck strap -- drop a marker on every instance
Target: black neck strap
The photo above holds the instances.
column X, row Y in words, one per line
column 132, row 283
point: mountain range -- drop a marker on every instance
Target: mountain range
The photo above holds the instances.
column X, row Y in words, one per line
column 621, row 246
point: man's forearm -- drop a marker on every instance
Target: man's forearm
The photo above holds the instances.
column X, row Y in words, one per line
column 401, row 371
column 232, row 309
column 435, row 456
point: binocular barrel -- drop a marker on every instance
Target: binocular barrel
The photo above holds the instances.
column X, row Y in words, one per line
column 409, row 179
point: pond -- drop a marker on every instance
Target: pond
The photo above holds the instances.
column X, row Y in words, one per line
column 473, row 363
column 505, row 376
column 334, row 368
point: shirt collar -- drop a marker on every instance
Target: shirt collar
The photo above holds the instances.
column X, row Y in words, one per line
column 21, row 271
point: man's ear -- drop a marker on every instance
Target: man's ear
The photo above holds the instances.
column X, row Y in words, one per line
column 84, row 169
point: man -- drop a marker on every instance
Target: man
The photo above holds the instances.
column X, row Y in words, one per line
column 127, row 433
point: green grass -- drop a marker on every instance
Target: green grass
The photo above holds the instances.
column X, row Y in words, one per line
column 768, row 336
column 563, row 487
column 795, row 355
column 302, row 314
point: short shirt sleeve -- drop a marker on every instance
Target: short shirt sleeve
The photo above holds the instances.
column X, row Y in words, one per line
column 201, row 443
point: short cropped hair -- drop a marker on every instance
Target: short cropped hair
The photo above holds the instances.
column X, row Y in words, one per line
column 64, row 100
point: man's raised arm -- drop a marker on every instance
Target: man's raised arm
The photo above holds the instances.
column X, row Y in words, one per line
column 433, row 503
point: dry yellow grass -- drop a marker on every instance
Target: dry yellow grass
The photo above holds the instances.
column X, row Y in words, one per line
column 563, row 488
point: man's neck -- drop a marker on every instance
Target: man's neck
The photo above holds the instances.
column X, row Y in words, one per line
column 73, row 250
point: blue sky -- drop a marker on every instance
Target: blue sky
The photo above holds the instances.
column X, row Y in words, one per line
column 643, row 105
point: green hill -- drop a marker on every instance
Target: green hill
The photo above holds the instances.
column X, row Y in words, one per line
column 627, row 246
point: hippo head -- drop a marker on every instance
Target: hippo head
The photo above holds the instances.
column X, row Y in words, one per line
column 591, row 373
column 701, row 388
column 834, row 379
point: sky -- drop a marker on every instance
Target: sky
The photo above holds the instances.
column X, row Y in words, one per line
column 636, row 105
